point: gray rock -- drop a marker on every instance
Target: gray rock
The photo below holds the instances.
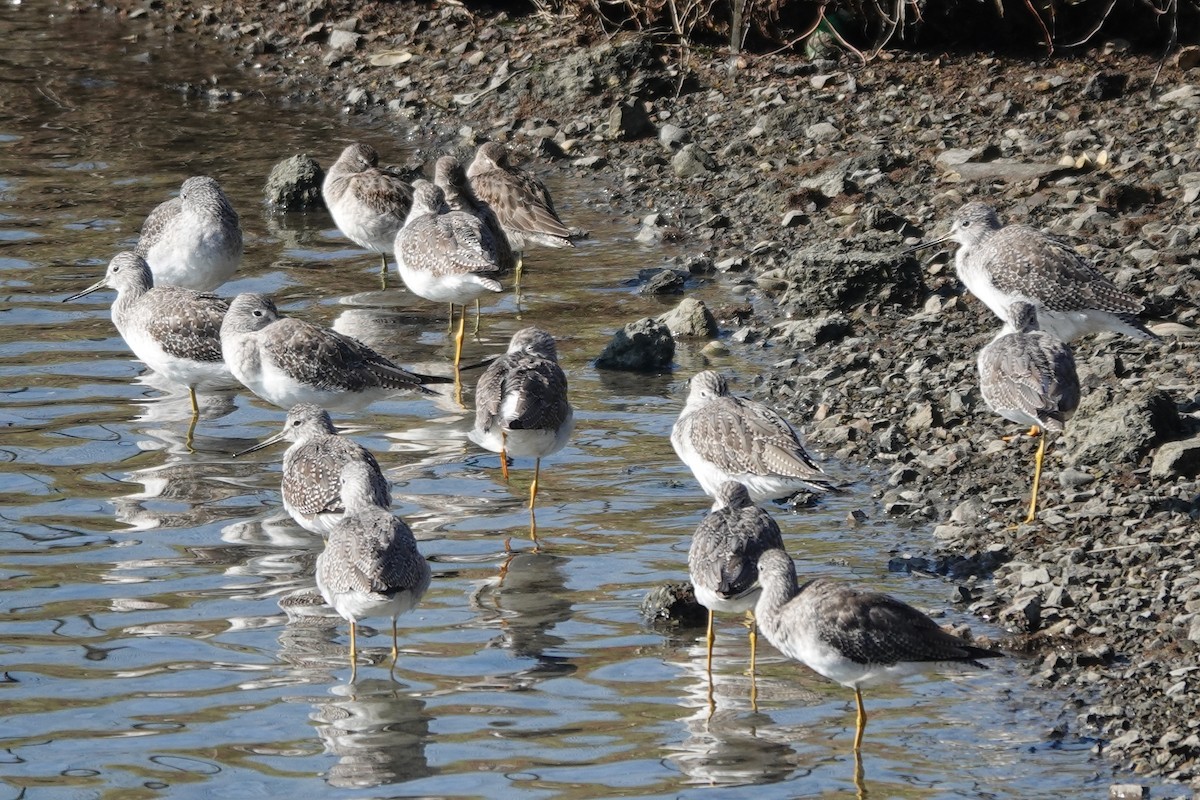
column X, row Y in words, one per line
column 822, row 132
column 813, row 331
column 664, row 281
column 692, row 161
column 1105, row 86
column 1074, row 478
column 1187, row 96
column 628, row 120
column 295, row 184
column 1117, row 430
column 690, row 318
column 674, row 604
column 344, row 41
column 673, row 137
column 1177, row 459
column 823, row 279
column 1007, row 170
column 1127, row 791
column 1024, row 613
column 642, row 346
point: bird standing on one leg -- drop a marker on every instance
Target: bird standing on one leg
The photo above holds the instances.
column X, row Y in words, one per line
column 852, row 637
column 175, row 331
column 1028, row 376
column 521, row 406
column 520, row 201
column 368, row 203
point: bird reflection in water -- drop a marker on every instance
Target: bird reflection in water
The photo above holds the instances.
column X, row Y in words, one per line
column 529, row 599
column 159, row 416
column 377, row 729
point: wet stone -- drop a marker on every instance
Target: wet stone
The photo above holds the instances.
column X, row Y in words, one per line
column 628, row 120
column 665, row 281
column 1177, row 459
column 642, row 346
column 690, row 318
column 673, row 604
column 692, row 161
column 295, row 184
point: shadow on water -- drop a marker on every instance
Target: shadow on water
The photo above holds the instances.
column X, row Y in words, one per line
column 162, row 630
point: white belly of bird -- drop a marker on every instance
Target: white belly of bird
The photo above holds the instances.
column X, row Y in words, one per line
column 710, row 476
column 729, row 605
column 366, row 227
column 321, row 523
column 828, row 662
column 183, row 371
column 196, row 259
column 460, row 288
column 361, row 605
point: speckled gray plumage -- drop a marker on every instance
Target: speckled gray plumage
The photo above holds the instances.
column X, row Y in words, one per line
column 722, row 437
column 181, row 324
column 521, row 202
column 370, row 557
column 313, row 463
column 1022, row 263
column 525, row 389
column 451, row 177
column 193, row 240
column 723, row 557
column 1028, row 376
column 368, row 203
column 442, row 243
column 863, row 628
column 310, row 354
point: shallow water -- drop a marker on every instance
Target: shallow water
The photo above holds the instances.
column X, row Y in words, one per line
column 145, row 649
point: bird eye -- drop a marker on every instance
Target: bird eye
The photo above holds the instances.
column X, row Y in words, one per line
column 258, row 312
column 966, row 223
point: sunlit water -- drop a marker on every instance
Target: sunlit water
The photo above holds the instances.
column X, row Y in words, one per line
column 145, row 649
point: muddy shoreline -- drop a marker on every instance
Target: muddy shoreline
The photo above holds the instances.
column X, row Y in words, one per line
column 801, row 181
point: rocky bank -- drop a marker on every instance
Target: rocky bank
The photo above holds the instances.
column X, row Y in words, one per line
column 803, row 181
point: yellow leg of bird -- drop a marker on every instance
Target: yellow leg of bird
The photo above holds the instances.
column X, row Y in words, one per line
column 476, row 331
column 517, row 276
column 862, row 720
column 1037, row 478
column 537, row 469
column 709, row 637
column 753, row 640
column 462, row 333
column 1033, row 431
column 383, row 270
column 353, row 651
column 504, row 454
column 195, row 404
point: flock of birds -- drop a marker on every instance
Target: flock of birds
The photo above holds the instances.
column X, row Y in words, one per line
column 453, row 239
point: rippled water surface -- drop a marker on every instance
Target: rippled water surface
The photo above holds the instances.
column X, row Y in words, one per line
column 145, row 649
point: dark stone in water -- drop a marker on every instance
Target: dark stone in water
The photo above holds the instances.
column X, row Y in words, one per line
column 295, row 184
column 642, row 346
column 674, row 604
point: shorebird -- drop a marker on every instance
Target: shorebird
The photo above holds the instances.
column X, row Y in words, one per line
column 520, row 201
column 370, row 565
column 368, row 203
column 286, row 361
column 1001, row 264
column 726, row 438
column 723, row 559
column 451, row 177
column 194, row 240
column 312, row 464
column 1028, row 377
column 175, row 331
column 446, row 256
column 852, row 637
column 521, row 406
